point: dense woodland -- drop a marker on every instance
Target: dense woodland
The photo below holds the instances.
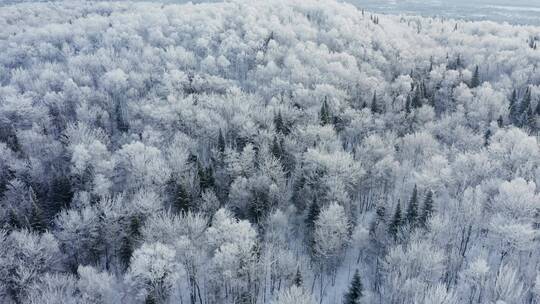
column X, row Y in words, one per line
column 283, row 152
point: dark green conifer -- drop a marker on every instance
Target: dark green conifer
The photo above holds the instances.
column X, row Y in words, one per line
column 298, row 280
column 278, row 123
column 221, row 142
column 276, row 148
column 324, row 114
column 374, row 105
column 475, row 81
column 396, row 222
column 355, row 292
column 427, row 210
column 412, row 209
column 181, row 200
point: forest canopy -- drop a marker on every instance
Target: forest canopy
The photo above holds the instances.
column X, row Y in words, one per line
column 281, row 152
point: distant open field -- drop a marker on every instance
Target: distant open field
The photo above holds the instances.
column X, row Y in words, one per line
column 515, row 12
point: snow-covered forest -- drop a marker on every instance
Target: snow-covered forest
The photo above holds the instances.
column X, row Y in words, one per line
column 281, row 152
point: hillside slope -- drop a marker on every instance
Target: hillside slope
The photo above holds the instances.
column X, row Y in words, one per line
column 263, row 152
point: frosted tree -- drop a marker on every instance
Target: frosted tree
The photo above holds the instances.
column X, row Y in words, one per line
column 154, row 272
column 293, row 295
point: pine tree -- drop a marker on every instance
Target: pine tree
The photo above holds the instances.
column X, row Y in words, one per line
column 121, row 123
column 513, row 108
column 37, row 219
column 221, row 142
column 537, row 109
column 276, row 149
column 312, row 216
column 526, row 102
column 134, row 228
column 530, row 120
column 524, row 109
column 13, row 221
column 459, row 64
column 324, row 114
column 396, row 222
column 374, row 106
column 278, row 123
column 37, row 222
column 412, row 209
column 181, row 201
column 417, row 98
column 536, row 219
column 381, row 214
column 475, row 81
column 298, row 280
column 500, row 121
column 206, row 177
column 150, row 299
column 60, row 196
column 427, row 210
column 408, row 105
column 355, row 292
column 487, row 136
column 125, row 252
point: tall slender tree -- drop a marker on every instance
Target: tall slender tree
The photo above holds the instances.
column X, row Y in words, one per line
column 513, row 108
column 395, row 223
column 412, row 209
column 324, row 114
column 221, row 142
column 278, row 123
column 475, row 81
column 374, row 105
column 427, row 210
column 298, row 280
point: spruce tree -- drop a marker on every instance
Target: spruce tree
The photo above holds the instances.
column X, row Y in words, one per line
column 355, row 292
column 125, row 252
column 206, row 177
column 150, row 299
column 396, row 222
column 37, row 219
column 121, row 123
column 134, row 228
column 513, row 108
column 475, row 81
column 408, row 105
column 278, row 123
column 60, row 195
column 298, row 280
column 500, row 121
column 526, row 102
column 312, row 216
column 487, row 136
column 427, row 210
column 374, row 106
column 276, row 148
column 221, row 142
column 417, row 98
column 530, row 120
column 181, row 201
column 412, row 209
column 13, row 221
column 524, row 109
column 324, row 114
column 37, row 222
